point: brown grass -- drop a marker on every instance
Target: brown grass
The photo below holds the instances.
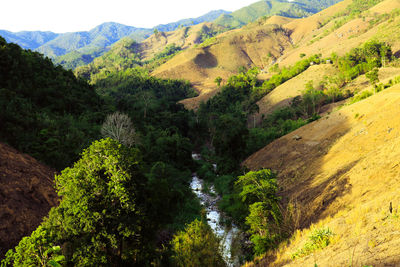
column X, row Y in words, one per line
column 343, row 174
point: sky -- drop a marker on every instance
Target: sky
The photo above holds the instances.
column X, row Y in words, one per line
column 82, row 15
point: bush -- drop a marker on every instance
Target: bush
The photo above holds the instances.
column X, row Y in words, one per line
column 319, row 239
column 197, row 246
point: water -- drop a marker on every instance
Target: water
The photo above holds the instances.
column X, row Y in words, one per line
column 209, row 201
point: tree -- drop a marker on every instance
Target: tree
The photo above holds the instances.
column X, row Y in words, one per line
column 197, row 246
column 258, row 186
column 218, row 81
column 99, row 221
column 373, row 76
column 35, row 250
column 258, row 190
column 98, row 215
column 118, row 126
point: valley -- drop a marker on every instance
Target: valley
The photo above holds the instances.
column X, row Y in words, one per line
column 266, row 136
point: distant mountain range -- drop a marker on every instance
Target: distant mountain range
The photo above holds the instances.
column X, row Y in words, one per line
column 98, row 39
column 80, row 48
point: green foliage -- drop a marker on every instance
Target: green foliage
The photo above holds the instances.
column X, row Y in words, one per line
column 122, row 56
column 218, row 81
column 99, row 215
column 360, row 60
column 98, row 221
column 46, row 111
column 373, row 76
column 285, row 74
column 169, row 50
column 258, row 190
column 35, row 250
column 258, row 186
column 197, row 246
column 319, row 239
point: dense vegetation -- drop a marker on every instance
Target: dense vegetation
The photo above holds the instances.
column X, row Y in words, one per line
column 120, row 203
column 46, row 111
column 127, row 201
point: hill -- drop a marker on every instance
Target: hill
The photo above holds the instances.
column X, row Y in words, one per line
column 209, row 17
column 28, row 40
column 341, row 175
column 224, row 54
column 293, row 9
column 99, row 37
column 46, row 111
column 26, row 195
column 336, row 29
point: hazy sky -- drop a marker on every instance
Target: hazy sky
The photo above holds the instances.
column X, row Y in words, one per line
column 82, row 15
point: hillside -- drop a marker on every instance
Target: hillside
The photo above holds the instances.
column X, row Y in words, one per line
column 45, row 110
column 293, row 9
column 28, row 40
column 336, row 29
column 346, row 182
column 26, row 195
column 223, row 55
column 99, row 37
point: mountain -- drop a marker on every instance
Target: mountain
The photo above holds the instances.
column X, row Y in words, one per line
column 99, row 37
column 28, row 40
column 209, row 17
column 293, row 9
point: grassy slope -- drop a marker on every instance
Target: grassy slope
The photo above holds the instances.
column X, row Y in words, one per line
column 343, row 174
column 245, row 47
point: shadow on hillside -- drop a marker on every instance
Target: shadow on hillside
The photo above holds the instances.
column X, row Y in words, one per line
column 315, row 199
column 304, row 180
column 206, row 60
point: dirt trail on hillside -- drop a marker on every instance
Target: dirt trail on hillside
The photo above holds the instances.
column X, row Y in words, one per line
column 26, row 195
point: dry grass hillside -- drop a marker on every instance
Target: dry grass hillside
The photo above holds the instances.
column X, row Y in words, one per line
column 283, row 94
column 342, row 174
column 256, row 45
column 26, row 195
column 184, row 37
column 226, row 53
column 309, row 38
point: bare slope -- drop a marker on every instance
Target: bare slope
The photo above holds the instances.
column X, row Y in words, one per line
column 26, row 195
column 225, row 54
column 342, row 174
column 324, row 33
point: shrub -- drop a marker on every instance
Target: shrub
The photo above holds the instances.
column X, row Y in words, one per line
column 319, row 239
column 197, row 246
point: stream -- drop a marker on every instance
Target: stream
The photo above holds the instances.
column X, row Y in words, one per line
column 210, row 202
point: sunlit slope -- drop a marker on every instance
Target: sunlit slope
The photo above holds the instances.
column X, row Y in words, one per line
column 328, row 32
column 225, row 54
column 184, row 37
column 283, row 94
column 342, row 174
column 332, row 30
